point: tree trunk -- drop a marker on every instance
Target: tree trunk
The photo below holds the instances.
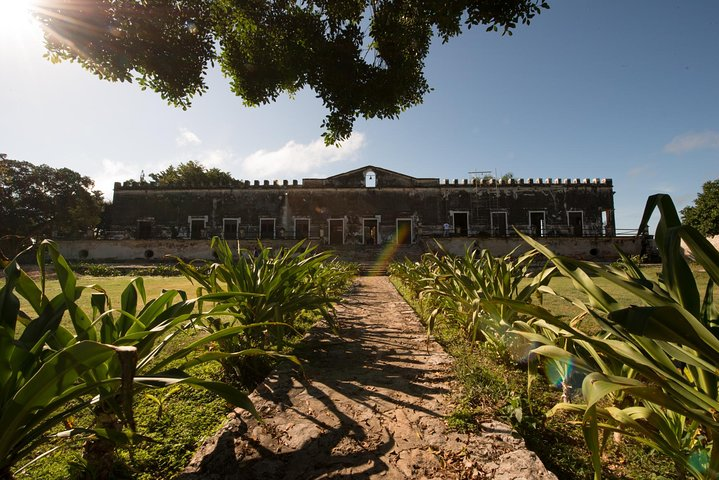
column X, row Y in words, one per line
column 99, row 453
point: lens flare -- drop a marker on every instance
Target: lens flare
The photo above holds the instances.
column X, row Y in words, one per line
column 558, row 372
column 699, row 459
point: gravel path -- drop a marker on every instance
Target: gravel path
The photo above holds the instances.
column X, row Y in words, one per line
column 371, row 405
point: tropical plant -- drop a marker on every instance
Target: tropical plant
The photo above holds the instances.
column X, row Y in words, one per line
column 39, row 387
column 266, row 294
column 667, row 394
column 461, row 285
column 99, row 362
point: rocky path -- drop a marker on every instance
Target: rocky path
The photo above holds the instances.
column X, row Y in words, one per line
column 371, row 405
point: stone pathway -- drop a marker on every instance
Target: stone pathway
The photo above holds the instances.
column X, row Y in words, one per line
column 371, row 405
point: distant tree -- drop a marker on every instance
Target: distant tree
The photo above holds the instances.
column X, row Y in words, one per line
column 41, row 201
column 363, row 58
column 192, row 173
column 704, row 214
column 506, row 176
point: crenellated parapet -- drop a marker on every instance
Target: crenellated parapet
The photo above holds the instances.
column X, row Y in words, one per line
column 324, row 183
column 240, row 184
column 529, row 181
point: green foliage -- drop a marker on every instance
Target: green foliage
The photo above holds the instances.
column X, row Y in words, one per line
column 363, row 59
column 649, row 362
column 44, row 377
column 52, row 368
column 192, row 173
column 704, row 214
column 42, row 201
column 261, row 298
column 651, row 371
column 491, row 389
column 105, row 270
column 459, row 288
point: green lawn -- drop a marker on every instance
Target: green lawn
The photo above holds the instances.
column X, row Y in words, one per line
column 114, row 287
column 564, row 286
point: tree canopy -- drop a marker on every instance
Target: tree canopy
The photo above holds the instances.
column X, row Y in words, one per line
column 192, row 173
column 363, row 58
column 704, row 214
column 41, row 201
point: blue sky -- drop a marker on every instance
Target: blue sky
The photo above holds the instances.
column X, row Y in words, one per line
column 627, row 90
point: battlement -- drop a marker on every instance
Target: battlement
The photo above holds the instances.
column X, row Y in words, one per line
column 529, row 181
column 323, row 183
column 240, row 184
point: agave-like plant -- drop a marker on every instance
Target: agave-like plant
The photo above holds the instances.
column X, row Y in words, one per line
column 39, row 387
column 263, row 293
column 461, row 286
column 99, row 362
column 667, row 340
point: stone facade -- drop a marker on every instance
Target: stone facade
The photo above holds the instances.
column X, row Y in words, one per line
column 369, row 205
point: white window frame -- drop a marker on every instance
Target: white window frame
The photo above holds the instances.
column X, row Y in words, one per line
column 376, row 218
column 370, row 179
column 454, row 227
column 506, row 220
column 192, row 218
column 329, row 229
column 274, row 227
column 543, row 225
column 237, row 226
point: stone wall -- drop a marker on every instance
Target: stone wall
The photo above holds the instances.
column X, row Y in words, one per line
column 597, row 249
column 594, row 249
column 544, row 207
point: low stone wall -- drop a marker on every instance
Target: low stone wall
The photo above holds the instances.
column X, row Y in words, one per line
column 587, row 248
column 146, row 250
column 583, row 248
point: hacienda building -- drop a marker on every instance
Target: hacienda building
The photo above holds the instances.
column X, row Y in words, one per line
column 365, row 206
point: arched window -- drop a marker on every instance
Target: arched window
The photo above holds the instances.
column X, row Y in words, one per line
column 370, row 179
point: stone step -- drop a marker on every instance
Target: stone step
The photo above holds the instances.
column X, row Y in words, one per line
column 373, row 270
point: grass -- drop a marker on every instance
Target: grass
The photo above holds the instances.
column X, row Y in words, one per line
column 563, row 286
column 492, row 387
column 173, row 430
column 115, row 285
column 175, row 421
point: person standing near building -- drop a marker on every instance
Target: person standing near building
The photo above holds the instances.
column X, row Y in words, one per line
column 446, row 229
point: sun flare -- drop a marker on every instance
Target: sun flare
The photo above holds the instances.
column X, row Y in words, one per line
column 16, row 16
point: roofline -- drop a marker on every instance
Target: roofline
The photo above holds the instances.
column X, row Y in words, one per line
column 375, row 169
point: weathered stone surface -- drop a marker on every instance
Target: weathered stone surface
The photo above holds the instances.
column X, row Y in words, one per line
column 371, row 405
column 521, row 465
column 547, row 207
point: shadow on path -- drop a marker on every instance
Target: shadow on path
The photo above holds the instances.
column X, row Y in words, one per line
column 370, row 405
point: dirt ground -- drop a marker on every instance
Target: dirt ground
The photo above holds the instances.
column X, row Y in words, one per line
column 370, row 405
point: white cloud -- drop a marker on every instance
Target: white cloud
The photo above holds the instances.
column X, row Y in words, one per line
column 114, row 171
column 296, row 159
column 187, row 138
column 215, row 158
column 293, row 160
column 688, row 142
